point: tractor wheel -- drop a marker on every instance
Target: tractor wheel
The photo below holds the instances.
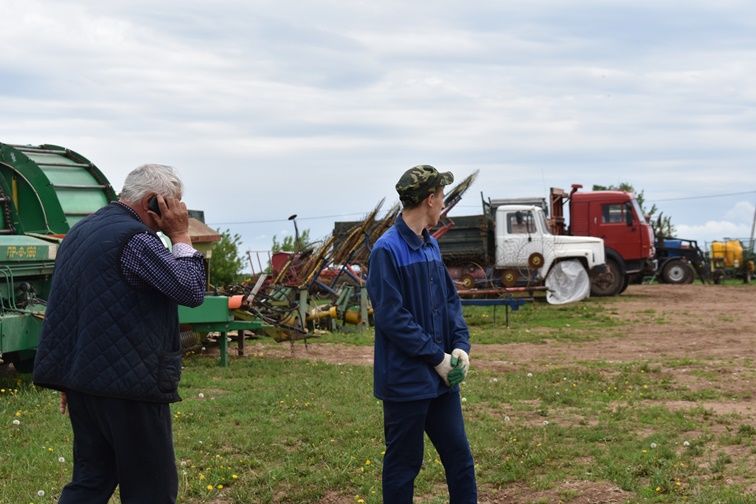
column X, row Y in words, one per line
column 677, row 272
column 610, row 282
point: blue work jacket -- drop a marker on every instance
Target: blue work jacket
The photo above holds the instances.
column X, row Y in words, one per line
column 417, row 312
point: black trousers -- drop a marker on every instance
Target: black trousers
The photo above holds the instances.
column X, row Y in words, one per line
column 124, row 443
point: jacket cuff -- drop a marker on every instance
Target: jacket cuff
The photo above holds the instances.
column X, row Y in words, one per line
column 438, row 357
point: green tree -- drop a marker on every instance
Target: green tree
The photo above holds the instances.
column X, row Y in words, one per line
column 662, row 224
column 288, row 245
column 225, row 262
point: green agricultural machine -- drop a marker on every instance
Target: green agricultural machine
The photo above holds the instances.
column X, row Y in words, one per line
column 44, row 190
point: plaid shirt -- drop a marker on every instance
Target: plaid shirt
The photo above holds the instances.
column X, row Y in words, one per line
column 180, row 274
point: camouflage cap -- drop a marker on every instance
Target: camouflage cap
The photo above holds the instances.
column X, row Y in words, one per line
column 420, row 181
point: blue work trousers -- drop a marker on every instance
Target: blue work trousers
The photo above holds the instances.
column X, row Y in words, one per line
column 124, row 443
column 404, row 424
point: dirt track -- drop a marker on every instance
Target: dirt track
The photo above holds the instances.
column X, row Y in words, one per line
column 663, row 321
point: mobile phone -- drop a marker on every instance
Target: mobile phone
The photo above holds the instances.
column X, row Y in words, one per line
column 152, row 204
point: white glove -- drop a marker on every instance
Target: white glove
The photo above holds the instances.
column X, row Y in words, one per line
column 444, row 367
column 464, row 359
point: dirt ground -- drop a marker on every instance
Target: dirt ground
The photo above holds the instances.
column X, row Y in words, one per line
column 713, row 325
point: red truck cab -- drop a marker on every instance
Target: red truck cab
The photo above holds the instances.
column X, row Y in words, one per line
column 616, row 217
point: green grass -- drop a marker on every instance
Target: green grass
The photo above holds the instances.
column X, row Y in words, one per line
column 281, row 430
column 534, row 322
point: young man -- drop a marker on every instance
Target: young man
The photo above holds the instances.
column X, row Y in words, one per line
column 419, row 332
column 110, row 341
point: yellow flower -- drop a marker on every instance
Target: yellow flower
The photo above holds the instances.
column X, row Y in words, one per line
column 219, row 487
column 234, row 476
column 658, row 489
column 367, row 462
column 201, row 476
column 18, row 413
column 210, row 487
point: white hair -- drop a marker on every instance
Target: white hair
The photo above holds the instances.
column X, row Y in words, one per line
column 151, row 179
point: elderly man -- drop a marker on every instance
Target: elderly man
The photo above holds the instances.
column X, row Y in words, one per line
column 110, row 341
column 421, row 344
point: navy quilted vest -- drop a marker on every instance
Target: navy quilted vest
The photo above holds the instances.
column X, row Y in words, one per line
column 102, row 336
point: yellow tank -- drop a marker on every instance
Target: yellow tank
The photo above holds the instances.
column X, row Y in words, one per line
column 727, row 254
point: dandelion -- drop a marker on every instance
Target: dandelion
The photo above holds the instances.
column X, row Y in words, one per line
column 209, row 488
column 61, row 460
column 201, row 395
column 16, row 421
column 464, row 399
column 18, row 413
column 234, row 476
column 367, row 462
column 201, row 476
column 495, row 380
column 545, row 422
column 530, row 375
column 41, row 493
column 644, row 451
column 506, row 418
column 686, row 444
column 183, row 463
column 658, row 489
column 219, row 487
column 653, row 445
column 203, row 349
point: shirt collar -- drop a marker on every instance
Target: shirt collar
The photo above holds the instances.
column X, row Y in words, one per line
column 131, row 210
column 414, row 241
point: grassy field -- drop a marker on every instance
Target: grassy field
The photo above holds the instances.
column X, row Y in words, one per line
column 272, row 429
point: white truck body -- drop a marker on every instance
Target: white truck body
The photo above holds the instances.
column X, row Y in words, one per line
column 522, row 230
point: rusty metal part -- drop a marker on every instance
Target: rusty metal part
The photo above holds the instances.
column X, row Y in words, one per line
column 535, row 260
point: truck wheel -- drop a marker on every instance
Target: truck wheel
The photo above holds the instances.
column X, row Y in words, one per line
column 677, row 272
column 625, row 282
column 610, row 282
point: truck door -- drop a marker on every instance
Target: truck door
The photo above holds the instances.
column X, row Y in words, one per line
column 617, row 225
column 519, row 240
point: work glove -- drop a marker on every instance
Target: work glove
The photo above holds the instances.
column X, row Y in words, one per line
column 444, row 368
column 457, row 374
column 464, row 359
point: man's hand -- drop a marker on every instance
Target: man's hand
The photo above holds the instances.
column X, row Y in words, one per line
column 173, row 219
column 444, row 367
column 63, row 403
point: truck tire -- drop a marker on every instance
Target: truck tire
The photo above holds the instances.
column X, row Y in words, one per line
column 610, row 282
column 677, row 271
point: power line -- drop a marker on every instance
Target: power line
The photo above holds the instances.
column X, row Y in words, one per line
column 269, row 221
column 702, row 196
column 320, row 217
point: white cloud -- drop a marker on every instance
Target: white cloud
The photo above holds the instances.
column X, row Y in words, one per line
column 270, row 108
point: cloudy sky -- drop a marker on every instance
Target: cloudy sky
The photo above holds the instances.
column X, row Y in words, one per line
column 270, row 108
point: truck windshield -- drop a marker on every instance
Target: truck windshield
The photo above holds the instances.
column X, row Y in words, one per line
column 545, row 224
column 638, row 211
